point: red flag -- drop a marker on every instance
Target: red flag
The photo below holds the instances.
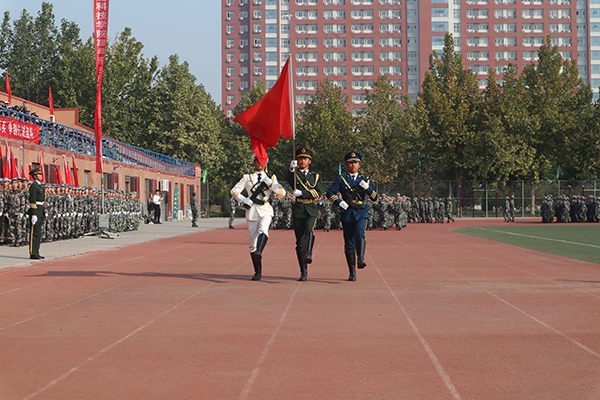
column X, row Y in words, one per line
column 6, row 165
column 68, row 177
column 14, row 172
column 58, row 177
column 51, row 102
column 270, row 118
column 100, row 35
column 42, row 167
column 3, row 161
column 8, row 88
column 75, row 177
column 22, row 171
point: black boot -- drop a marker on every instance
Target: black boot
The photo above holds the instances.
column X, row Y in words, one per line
column 257, row 262
column 360, row 253
column 302, row 263
column 261, row 242
column 351, row 259
column 310, row 241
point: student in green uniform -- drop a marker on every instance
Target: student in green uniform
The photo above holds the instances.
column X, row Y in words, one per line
column 37, row 197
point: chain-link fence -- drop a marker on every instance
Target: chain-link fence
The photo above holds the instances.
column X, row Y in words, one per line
column 483, row 199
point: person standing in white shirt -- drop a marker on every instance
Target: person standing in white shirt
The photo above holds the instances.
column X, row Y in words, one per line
column 258, row 212
column 156, row 200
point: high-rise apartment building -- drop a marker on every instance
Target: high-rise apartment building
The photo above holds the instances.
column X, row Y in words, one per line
column 351, row 42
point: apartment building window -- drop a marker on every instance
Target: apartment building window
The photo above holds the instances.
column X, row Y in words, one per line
column 529, row 13
column 340, row 83
column 505, row 27
column 477, row 13
column 559, row 28
column 334, row 28
column 506, row 55
column 596, row 69
column 532, row 2
column 561, row 2
column 390, row 14
column 595, row 40
column 502, row 2
column 308, row 56
column 530, row 56
column 257, row 56
column 562, row 41
column 364, row 70
column 566, row 55
column 359, row 99
column 285, row 29
column 362, row 2
column 334, row 56
column 258, row 70
column 302, row 98
column 439, row 12
column 362, row 28
column 501, row 69
column 271, row 14
column 230, row 43
column 307, row 28
column 412, row 70
column 363, row 56
column 230, row 2
column 479, row 69
column 440, row 26
column 243, row 29
column 505, row 41
column 411, row 55
column 526, row 28
column 230, row 85
column 386, row 42
column 362, row 14
column 230, row 99
column 505, row 13
column 230, row 71
column 306, row 2
column 476, row 41
column 397, row 83
column 244, row 85
column 306, row 85
column 272, row 56
column 390, row 70
column 243, row 71
column 411, row 28
column 308, row 71
column 334, row 14
column 390, row 56
column 478, row 55
column 457, row 29
column 475, row 2
column 243, row 43
column 390, row 2
column 595, row 55
column 478, row 27
column 335, row 71
column 258, row 42
column 306, row 42
column 230, row 57
column 334, row 2
column 271, row 28
column 284, row 56
column 334, row 42
column 229, row 15
column 230, row 29
column 307, row 14
column 257, row 14
column 560, row 14
column 482, row 83
column 363, row 84
column 533, row 41
column 390, row 28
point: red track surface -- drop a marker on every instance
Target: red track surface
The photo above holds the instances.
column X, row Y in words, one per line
column 435, row 315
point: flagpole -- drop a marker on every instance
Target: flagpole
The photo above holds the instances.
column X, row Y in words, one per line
column 292, row 111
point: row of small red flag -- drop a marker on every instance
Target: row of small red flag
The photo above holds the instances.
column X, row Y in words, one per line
column 10, row 169
column 10, row 95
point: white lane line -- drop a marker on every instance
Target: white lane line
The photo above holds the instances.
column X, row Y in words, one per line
column 438, row 366
column 265, row 352
column 539, row 237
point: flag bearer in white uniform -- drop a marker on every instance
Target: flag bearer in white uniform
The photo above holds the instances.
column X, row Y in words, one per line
column 259, row 186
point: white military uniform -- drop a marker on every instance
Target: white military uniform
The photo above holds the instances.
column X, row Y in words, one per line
column 258, row 217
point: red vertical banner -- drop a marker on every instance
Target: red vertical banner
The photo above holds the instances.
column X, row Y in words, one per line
column 8, row 88
column 101, row 35
column 75, row 177
column 51, row 102
column 42, row 167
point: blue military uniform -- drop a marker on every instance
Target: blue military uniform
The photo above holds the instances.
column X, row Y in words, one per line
column 354, row 219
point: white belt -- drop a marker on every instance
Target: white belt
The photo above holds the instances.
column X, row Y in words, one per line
column 39, row 203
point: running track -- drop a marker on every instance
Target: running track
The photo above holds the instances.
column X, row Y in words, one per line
column 435, row 315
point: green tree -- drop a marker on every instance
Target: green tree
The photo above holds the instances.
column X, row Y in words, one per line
column 447, row 112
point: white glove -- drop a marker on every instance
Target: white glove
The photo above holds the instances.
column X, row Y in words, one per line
column 297, row 193
column 21, row 215
column 268, row 181
column 293, row 165
column 247, row 201
column 363, row 184
column 343, row 205
column 33, row 219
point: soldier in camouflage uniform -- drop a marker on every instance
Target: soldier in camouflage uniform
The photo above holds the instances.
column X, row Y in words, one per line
column 398, row 210
column 13, row 209
column 3, row 214
column 449, row 210
column 327, row 214
column 287, row 203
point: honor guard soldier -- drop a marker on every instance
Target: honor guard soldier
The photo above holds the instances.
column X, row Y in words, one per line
column 37, row 197
column 308, row 188
column 259, row 186
column 354, row 190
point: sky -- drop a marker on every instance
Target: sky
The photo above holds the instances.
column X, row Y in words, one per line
column 190, row 29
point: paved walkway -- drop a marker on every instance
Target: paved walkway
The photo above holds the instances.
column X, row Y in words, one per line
column 19, row 256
